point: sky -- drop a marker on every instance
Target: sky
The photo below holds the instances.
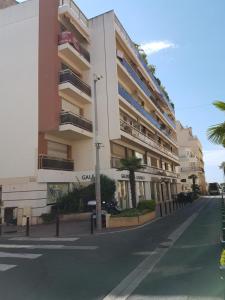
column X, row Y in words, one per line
column 185, row 40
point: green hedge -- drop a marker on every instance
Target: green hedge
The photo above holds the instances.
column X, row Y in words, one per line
column 143, row 207
column 146, row 204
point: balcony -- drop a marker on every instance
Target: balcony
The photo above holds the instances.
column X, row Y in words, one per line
column 152, row 144
column 72, row 52
column 115, row 163
column 140, row 59
column 69, row 9
column 73, row 86
column 169, row 120
column 141, row 110
column 76, row 120
column 53, row 163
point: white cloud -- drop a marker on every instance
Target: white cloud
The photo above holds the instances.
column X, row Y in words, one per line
column 156, row 46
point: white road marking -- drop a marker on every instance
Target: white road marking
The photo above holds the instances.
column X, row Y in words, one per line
column 145, row 253
column 4, row 267
column 50, row 239
column 126, row 287
column 48, row 247
column 19, row 255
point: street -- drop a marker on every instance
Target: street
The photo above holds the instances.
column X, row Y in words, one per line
column 175, row 257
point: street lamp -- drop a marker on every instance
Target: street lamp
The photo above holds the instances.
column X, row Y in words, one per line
column 97, row 164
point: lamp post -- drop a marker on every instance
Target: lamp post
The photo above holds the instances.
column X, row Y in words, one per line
column 97, row 164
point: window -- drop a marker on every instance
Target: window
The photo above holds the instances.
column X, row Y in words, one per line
column 154, row 162
column 118, row 151
column 57, row 150
column 141, row 156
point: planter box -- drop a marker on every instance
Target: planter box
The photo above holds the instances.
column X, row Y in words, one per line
column 115, row 222
column 76, row 217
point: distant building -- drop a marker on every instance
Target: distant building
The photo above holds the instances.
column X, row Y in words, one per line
column 191, row 158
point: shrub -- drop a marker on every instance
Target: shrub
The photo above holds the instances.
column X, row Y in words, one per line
column 48, row 218
column 131, row 212
column 146, row 205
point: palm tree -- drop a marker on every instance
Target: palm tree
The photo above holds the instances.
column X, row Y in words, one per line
column 216, row 133
column 193, row 177
column 131, row 164
column 222, row 166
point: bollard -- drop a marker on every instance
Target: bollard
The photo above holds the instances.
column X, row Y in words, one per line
column 57, row 225
column 165, row 208
column 160, row 209
column 28, row 226
column 92, row 224
column 0, row 226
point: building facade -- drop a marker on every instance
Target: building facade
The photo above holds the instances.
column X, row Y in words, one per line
column 46, row 119
column 191, row 159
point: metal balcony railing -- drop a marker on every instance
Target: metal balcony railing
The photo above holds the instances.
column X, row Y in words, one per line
column 68, row 37
column 122, row 92
column 115, row 163
column 126, row 127
column 136, row 77
column 76, row 120
column 68, row 76
column 53, row 163
column 144, row 87
column 136, row 52
column 134, row 103
column 76, row 10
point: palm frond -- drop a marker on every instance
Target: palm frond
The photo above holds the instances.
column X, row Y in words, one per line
column 131, row 163
column 216, row 133
column 220, row 105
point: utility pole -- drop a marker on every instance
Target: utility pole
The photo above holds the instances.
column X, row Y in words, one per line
column 97, row 165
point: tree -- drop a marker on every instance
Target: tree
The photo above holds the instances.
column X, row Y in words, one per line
column 193, row 177
column 131, row 164
column 216, row 133
column 151, row 67
column 222, row 166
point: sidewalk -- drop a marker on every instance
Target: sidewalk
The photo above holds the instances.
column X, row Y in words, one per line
column 66, row 229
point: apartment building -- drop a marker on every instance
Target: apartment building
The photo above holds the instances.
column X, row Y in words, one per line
column 191, row 159
column 49, row 54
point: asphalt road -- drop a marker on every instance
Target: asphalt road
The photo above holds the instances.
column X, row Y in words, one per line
column 175, row 257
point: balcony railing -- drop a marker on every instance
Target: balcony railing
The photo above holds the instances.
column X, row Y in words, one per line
column 126, row 127
column 169, row 120
column 53, row 163
column 136, row 52
column 133, row 102
column 68, row 37
column 76, row 10
column 76, row 120
column 136, row 77
column 115, row 163
column 68, row 76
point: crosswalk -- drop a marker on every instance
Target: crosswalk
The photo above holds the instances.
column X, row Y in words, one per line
column 11, row 250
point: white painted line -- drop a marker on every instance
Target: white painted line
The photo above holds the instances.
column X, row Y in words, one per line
column 48, row 247
column 19, row 255
column 126, row 287
column 4, row 267
column 50, row 239
column 145, row 253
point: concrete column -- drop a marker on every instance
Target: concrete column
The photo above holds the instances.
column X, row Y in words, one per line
column 147, row 190
column 169, row 190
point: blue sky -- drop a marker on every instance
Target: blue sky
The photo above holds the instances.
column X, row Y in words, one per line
column 192, row 63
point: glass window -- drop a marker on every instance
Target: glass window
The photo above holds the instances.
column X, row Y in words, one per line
column 123, row 196
column 141, row 190
column 140, row 155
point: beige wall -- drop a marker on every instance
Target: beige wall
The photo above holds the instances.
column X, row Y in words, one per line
column 19, row 90
column 103, row 54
